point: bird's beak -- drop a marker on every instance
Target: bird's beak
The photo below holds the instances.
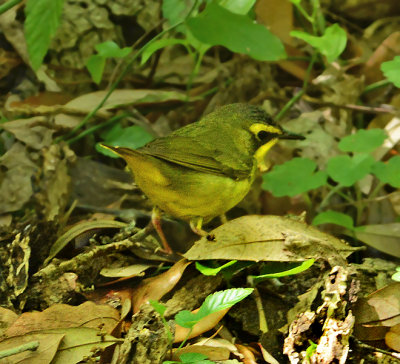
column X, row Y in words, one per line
column 290, row 135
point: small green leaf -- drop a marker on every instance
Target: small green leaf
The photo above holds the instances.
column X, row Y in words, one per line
column 331, row 44
column 388, row 172
column 347, row 170
column 396, row 276
column 95, row 65
column 131, row 137
column 363, row 141
column 42, row 20
column 158, row 307
column 208, row 271
column 158, row 44
column 391, row 70
column 111, row 49
column 241, row 7
column 213, row 303
column 334, row 217
column 293, row 177
column 195, row 358
column 298, row 268
column 187, row 319
column 176, row 11
column 218, row 26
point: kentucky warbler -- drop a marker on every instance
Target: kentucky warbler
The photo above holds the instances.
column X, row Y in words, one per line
column 202, row 170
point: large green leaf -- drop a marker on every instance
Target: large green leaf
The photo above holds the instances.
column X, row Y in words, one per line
column 391, row 70
column 42, row 20
column 388, row 172
column 293, row 177
column 347, row 170
column 218, row 26
column 363, row 141
column 331, row 44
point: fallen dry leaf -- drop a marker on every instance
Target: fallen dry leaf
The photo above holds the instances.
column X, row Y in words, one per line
column 44, row 354
column 383, row 237
column 377, row 313
column 392, row 338
column 156, row 287
column 88, row 315
column 269, row 238
column 205, row 324
column 34, row 132
column 16, row 183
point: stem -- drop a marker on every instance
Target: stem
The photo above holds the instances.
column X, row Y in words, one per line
column 325, row 201
column 359, row 204
column 120, row 77
column 95, row 128
column 304, row 13
column 296, row 97
column 375, row 86
column 32, row 346
column 8, row 5
column 373, row 194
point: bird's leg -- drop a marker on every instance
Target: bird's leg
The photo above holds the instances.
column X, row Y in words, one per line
column 196, row 224
column 223, row 219
column 156, row 221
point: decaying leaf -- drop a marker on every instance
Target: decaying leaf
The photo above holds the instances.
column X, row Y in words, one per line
column 156, row 287
column 78, row 229
column 88, row 315
column 86, row 103
column 34, row 132
column 15, row 183
column 392, row 338
column 269, row 238
column 383, row 237
column 44, row 354
column 377, row 313
column 18, row 263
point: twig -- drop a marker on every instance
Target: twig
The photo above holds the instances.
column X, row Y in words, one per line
column 32, row 346
column 8, row 5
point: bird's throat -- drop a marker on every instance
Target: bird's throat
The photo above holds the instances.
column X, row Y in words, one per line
column 261, row 152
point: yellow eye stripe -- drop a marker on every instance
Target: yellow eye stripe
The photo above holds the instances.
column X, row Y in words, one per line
column 257, row 127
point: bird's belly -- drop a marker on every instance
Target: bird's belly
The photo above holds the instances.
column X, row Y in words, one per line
column 186, row 193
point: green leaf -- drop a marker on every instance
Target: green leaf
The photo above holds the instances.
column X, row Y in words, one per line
column 388, row 172
column 331, row 44
column 396, row 276
column 176, row 11
column 158, row 44
column 42, row 20
column 363, row 141
column 298, row 268
column 111, row 49
column 293, row 177
column 158, row 307
column 208, row 271
column 241, row 7
column 218, row 26
column 391, row 70
column 131, row 137
column 213, row 303
column 195, row 358
column 95, row 65
column 348, row 170
column 334, row 217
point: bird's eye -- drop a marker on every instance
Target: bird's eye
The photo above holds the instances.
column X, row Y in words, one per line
column 264, row 136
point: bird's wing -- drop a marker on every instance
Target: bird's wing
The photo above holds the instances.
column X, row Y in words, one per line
column 187, row 152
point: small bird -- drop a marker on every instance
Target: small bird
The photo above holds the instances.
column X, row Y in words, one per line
column 202, row 170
